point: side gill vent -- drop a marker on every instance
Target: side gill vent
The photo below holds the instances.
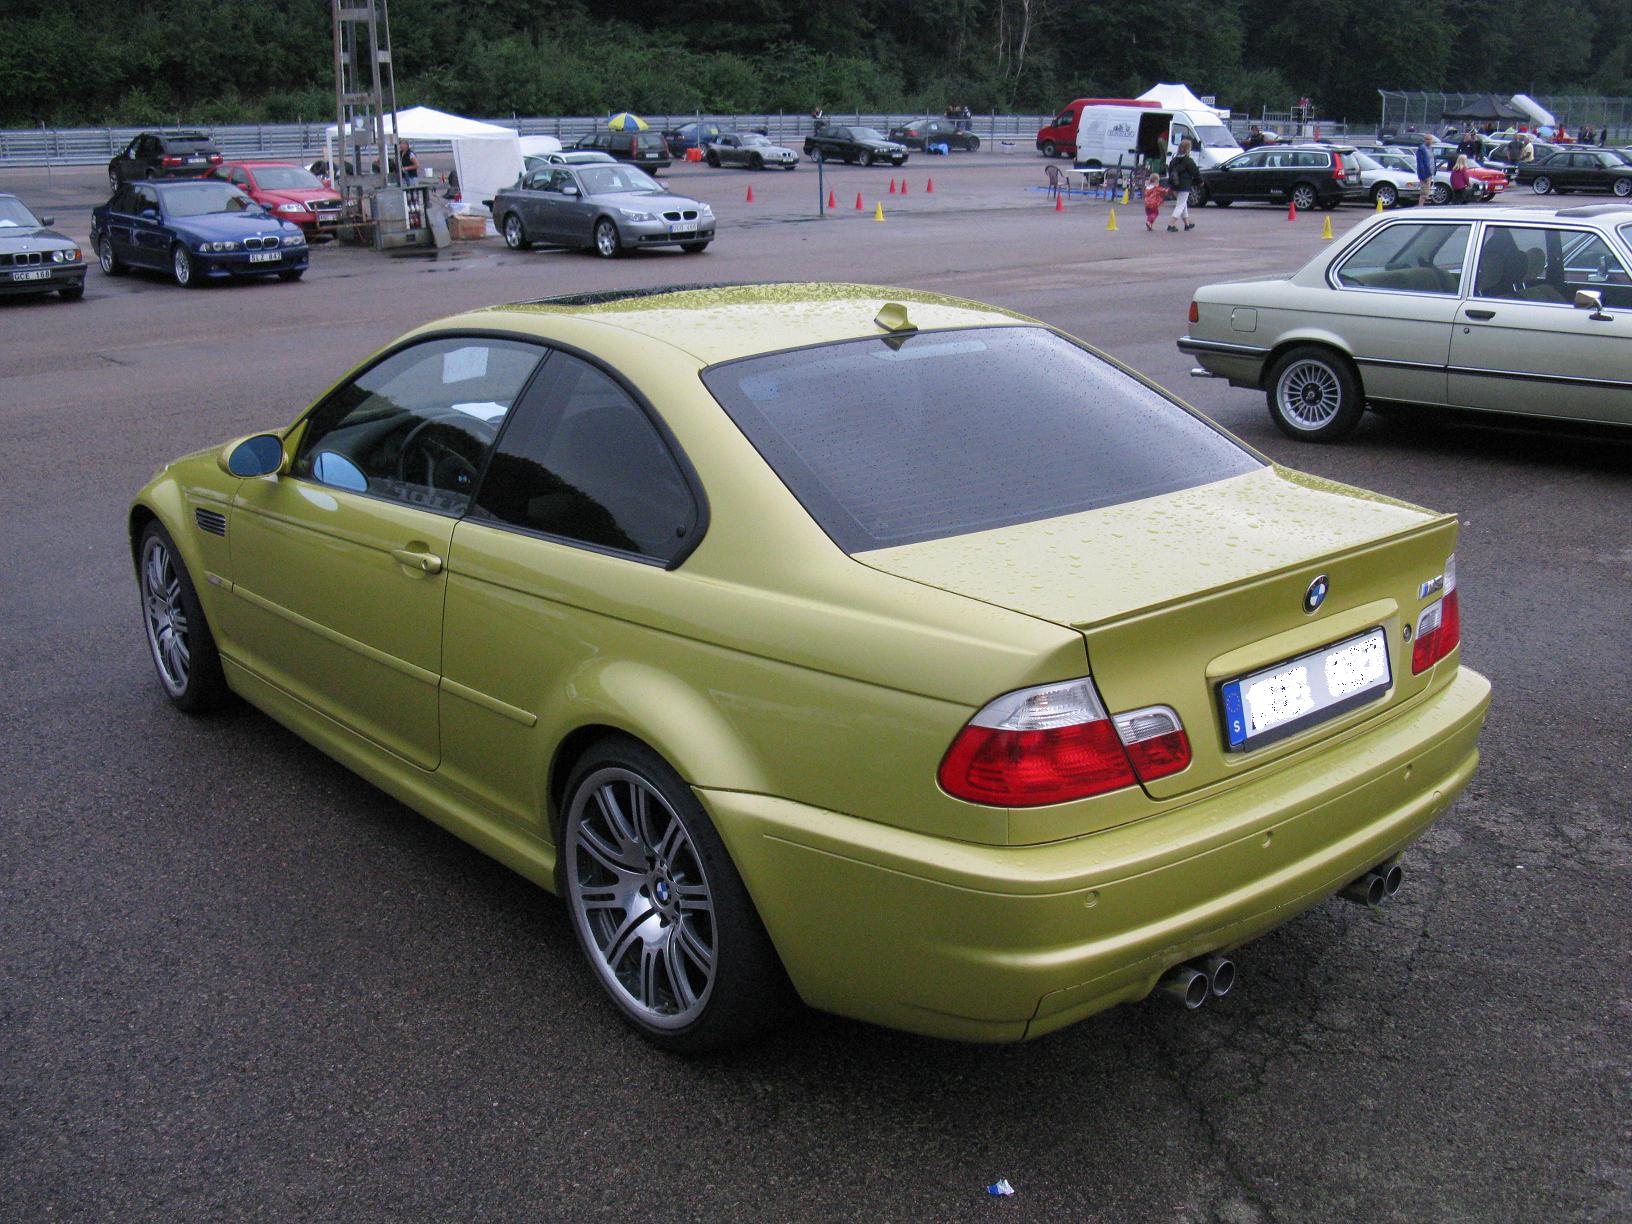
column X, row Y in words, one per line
column 211, row 521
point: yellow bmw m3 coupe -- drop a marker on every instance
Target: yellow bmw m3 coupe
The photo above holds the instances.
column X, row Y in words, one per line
column 872, row 648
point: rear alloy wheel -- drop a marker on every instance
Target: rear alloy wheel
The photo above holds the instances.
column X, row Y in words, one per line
column 178, row 638
column 1542, row 185
column 658, row 907
column 515, row 237
column 181, row 267
column 974, row 144
column 1198, row 194
column 607, row 245
column 713, row 159
column 1385, row 194
column 1623, row 187
column 1304, row 197
column 1314, row 395
column 866, row 157
column 1048, row 149
column 107, row 259
column 756, row 162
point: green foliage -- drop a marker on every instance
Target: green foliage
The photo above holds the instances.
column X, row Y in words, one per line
column 222, row 61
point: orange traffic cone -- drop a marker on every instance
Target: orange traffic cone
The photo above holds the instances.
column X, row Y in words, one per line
column 750, row 195
column 929, row 188
column 892, row 186
column 831, row 202
column 858, row 201
column 1059, row 202
column 1291, row 211
column 903, row 186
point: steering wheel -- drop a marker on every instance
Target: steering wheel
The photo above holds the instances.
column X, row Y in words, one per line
column 428, row 459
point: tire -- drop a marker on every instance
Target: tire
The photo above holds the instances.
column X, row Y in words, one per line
column 756, row 162
column 1198, row 195
column 866, row 157
column 515, row 234
column 898, row 161
column 1049, row 149
column 181, row 267
column 1385, row 194
column 1623, row 187
column 1542, row 185
column 974, row 144
column 1440, row 194
column 178, row 637
column 111, row 265
column 658, row 908
column 1304, row 197
column 607, row 245
column 292, row 275
column 1314, row 394
column 72, row 293
column 694, row 248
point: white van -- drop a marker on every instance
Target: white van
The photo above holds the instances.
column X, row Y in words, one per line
column 1130, row 135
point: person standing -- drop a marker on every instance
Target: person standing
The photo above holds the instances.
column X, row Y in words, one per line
column 1183, row 173
column 1425, row 170
column 1459, row 179
column 1254, row 138
column 818, row 120
column 407, row 163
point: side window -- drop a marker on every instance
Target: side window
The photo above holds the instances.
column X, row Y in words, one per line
column 1408, row 258
column 416, row 427
column 536, row 180
column 146, row 198
column 239, row 178
column 582, row 461
column 1534, row 264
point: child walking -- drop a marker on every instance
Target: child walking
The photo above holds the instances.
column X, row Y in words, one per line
column 1154, row 195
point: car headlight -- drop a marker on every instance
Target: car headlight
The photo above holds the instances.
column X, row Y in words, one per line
column 294, row 240
column 703, row 210
column 630, row 214
column 290, row 208
column 58, row 256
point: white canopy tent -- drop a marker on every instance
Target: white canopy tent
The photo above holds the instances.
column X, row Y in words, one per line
column 1175, row 97
column 485, row 156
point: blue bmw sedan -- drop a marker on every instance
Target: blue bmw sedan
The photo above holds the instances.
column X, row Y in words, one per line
column 197, row 231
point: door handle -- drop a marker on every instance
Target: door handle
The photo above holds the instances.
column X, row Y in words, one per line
column 414, row 559
column 1480, row 314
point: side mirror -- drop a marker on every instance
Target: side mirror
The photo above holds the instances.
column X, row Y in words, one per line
column 261, row 455
column 1593, row 300
column 569, row 190
column 48, row 220
column 152, row 214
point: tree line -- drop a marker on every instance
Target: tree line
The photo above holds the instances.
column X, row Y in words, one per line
column 226, row 61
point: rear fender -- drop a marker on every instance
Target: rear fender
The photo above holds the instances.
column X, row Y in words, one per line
column 1305, row 336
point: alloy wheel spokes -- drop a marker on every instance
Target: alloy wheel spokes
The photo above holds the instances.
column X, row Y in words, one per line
column 1309, row 393
column 166, row 616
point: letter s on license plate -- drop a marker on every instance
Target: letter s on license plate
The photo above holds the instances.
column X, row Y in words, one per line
column 1279, row 701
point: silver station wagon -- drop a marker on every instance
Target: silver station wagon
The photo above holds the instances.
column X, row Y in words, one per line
column 1523, row 311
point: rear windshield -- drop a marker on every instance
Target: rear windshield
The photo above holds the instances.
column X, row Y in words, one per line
column 890, row 441
column 187, row 142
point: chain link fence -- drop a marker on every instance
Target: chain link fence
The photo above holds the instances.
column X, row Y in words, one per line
column 1405, row 110
column 304, row 141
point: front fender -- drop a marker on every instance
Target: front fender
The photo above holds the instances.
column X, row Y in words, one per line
column 175, row 500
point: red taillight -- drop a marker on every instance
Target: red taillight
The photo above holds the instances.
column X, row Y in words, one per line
column 215, row 159
column 170, row 161
column 1155, row 741
column 1195, row 313
column 1439, row 626
column 1337, row 165
column 1055, row 743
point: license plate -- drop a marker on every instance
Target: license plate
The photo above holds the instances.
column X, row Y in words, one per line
column 195, row 161
column 685, row 227
column 37, row 274
column 1282, row 700
column 264, row 256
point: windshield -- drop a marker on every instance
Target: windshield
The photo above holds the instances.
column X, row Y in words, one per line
column 283, row 178
column 897, row 439
column 754, row 138
column 865, row 134
column 600, row 180
column 1215, row 136
column 196, row 199
column 13, row 214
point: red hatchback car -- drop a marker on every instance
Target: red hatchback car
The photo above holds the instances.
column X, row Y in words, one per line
column 289, row 192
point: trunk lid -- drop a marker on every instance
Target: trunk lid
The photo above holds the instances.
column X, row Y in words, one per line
column 1177, row 594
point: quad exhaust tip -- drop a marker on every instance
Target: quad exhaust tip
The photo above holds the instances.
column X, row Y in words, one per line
column 1375, row 887
column 1192, row 985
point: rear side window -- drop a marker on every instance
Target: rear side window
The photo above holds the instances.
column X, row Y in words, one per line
column 897, row 439
column 1409, row 258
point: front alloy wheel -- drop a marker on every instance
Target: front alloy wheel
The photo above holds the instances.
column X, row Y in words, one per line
column 1314, row 395
column 658, row 907
column 1386, row 194
column 181, row 266
column 1441, row 194
column 1542, row 186
column 1623, row 187
column 178, row 638
column 514, row 236
column 107, row 259
column 1303, row 197
column 606, row 238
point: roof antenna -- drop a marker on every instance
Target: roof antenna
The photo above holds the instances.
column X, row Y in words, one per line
column 892, row 317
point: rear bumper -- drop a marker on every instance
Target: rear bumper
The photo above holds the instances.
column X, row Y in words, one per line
column 1241, row 364
column 989, row 943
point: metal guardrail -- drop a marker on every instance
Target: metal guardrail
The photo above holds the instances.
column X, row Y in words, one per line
column 94, row 146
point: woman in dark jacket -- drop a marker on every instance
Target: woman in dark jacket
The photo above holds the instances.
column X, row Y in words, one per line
column 1184, row 174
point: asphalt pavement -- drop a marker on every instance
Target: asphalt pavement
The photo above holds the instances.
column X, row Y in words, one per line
column 237, row 982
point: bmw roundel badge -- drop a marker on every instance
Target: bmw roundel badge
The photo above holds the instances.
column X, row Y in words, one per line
column 1316, row 594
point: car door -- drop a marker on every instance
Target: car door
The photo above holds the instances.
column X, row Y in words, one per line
column 119, row 220
column 1232, row 179
column 338, row 564
column 1521, row 344
column 532, row 203
column 149, row 237
column 573, row 205
column 1398, row 294
column 728, row 150
column 570, row 543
